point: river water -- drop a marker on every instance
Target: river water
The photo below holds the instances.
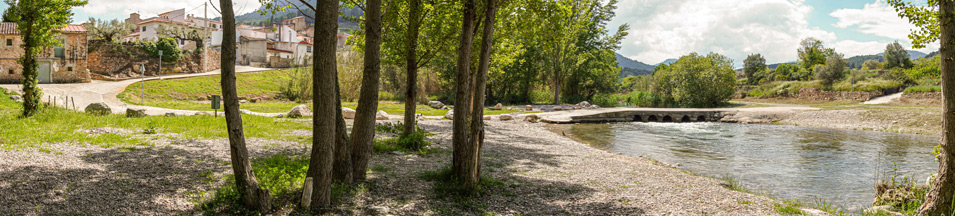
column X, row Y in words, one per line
column 807, row 164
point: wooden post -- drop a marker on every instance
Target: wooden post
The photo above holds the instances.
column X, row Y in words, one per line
column 307, row 193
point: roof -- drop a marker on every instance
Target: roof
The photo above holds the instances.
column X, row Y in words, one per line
column 279, row 50
column 10, row 28
column 304, row 42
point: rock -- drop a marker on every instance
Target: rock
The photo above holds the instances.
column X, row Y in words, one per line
column 532, row 118
column 170, row 114
column 16, row 98
column 380, row 209
column 487, row 117
column 98, row 109
column 436, row 104
column 528, row 108
column 397, row 153
column 243, row 101
column 201, row 98
column 348, row 113
column 381, row 115
column 243, row 98
column 254, row 100
column 449, row 115
column 299, row 111
column 505, row 117
column 558, row 108
column 584, row 104
column 135, row 113
column 280, row 116
column 498, row 106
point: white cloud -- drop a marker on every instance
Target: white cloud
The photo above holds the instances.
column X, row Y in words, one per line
column 662, row 29
column 876, row 18
column 110, row 8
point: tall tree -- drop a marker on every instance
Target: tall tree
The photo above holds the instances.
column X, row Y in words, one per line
column 936, row 22
column 476, row 139
column 363, row 131
column 812, row 52
column 464, row 164
column 324, row 102
column 252, row 195
column 411, row 65
column 753, row 63
column 108, row 31
column 896, row 56
column 38, row 22
column 832, row 71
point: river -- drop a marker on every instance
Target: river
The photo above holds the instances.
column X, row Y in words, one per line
column 838, row 167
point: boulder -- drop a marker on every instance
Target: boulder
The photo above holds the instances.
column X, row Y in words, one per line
column 135, row 113
column 299, row 111
column 16, row 98
column 254, row 100
column 498, row 106
column 169, row 114
column 487, row 117
column 98, row 109
column 449, row 115
column 528, row 108
column 558, row 108
column 436, row 104
column 506, row 117
column 201, row 98
column 381, row 115
column 348, row 113
column 584, row 104
column 532, row 118
column 243, row 101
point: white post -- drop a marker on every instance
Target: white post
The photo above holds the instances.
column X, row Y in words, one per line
column 207, row 37
column 142, row 70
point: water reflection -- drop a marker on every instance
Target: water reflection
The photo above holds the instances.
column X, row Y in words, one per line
column 806, row 164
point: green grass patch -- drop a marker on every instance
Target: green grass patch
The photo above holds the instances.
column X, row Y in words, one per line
column 446, row 185
column 254, row 84
column 923, row 88
column 788, row 208
column 866, row 85
column 281, row 174
column 413, row 143
column 58, row 125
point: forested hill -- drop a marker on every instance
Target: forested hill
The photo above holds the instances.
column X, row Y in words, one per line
column 632, row 67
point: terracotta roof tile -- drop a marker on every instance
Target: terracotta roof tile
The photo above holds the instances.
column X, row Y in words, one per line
column 10, row 28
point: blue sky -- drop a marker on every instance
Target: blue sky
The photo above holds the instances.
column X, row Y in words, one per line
column 663, row 29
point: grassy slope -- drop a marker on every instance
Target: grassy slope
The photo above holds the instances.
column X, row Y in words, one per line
column 182, row 94
column 55, row 125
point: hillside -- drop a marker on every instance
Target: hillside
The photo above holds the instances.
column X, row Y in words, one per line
column 632, row 67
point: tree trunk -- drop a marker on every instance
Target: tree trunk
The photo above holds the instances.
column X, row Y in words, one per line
column 245, row 182
column 363, row 132
column 323, row 102
column 463, row 167
column 411, row 64
column 940, row 199
column 556, row 88
column 342, row 169
column 31, row 90
column 477, row 119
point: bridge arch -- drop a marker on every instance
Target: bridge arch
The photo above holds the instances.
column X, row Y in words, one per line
column 685, row 119
column 638, row 118
column 667, row 119
column 652, row 118
column 701, row 118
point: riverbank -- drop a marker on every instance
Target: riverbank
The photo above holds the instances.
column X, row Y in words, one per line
column 533, row 171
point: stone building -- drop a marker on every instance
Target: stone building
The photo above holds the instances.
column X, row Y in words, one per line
column 63, row 64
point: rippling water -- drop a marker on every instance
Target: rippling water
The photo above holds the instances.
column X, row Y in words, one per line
column 806, row 164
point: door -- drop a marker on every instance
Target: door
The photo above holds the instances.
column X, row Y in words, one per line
column 44, row 72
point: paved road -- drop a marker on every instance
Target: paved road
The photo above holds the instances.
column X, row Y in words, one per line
column 884, row 99
column 84, row 94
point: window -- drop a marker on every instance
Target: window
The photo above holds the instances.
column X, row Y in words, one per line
column 9, row 42
column 70, row 69
column 308, row 49
column 144, row 28
column 11, row 71
column 58, row 52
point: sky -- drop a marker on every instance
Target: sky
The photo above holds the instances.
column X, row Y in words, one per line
column 664, row 29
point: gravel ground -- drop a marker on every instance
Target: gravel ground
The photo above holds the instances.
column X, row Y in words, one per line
column 537, row 173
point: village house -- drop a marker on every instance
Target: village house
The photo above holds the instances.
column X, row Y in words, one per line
column 147, row 29
column 66, row 63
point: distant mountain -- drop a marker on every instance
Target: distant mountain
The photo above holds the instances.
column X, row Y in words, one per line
column 856, row 62
column 632, row 67
column 668, row 61
column 930, row 55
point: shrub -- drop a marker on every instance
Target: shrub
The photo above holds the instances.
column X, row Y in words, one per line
column 170, row 49
column 542, row 96
column 833, row 70
column 697, row 81
column 298, row 86
column 606, row 100
column 414, row 142
column 867, row 85
column 923, row 88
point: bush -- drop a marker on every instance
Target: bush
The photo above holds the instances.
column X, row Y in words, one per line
column 170, row 49
column 542, row 96
column 697, row 81
column 923, row 88
column 867, row 85
column 606, row 100
column 298, row 86
column 414, row 142
column 833, row 71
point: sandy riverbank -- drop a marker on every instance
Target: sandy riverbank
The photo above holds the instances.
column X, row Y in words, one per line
column 540, row 173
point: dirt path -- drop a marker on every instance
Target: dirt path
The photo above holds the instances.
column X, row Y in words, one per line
column 884, row 99
column 84, row 94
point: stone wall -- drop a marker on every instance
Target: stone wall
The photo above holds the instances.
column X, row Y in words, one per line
column 279, row 62
column 922, row 98
column 820, row 95
column 69, row 68
column 122, row 61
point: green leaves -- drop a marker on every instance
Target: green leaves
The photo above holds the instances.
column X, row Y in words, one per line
column 925, row 17
column 697, row 81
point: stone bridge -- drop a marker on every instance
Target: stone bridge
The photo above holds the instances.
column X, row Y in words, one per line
column 636, row 115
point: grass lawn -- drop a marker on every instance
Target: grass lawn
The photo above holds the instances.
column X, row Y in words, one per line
column 254, row 84
column 57, row 125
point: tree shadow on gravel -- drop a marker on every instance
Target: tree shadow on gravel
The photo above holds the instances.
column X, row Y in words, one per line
column 506, row 189
column 144, row 180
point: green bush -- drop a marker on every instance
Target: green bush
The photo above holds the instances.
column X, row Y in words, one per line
column 414, row 142
column 605, row 100
column 170, row 49
column 697, row 81
column 867, row 85
column 542, row 96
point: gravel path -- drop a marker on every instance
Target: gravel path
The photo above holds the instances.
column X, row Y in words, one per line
column 537, row 173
